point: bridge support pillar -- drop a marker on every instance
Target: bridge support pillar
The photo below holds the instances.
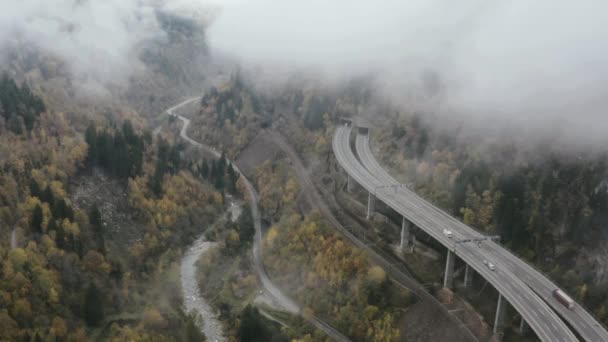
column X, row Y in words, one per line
column 349, row 183
column 371, row 204
column 468, row 276
column 405, row 233
column 448, row 278
column 523, row 326
column 499, row 319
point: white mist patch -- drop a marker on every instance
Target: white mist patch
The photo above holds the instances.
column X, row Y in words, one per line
column 527, row 61
column 315, row 32
column 99, row 40
column 96, row 38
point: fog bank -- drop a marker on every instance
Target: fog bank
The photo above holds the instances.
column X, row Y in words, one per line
column 98, row 40
column 533, row 63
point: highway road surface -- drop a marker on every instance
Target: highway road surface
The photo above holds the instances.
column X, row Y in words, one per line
column 389, row 265
column 578, row 317
column 547, row 325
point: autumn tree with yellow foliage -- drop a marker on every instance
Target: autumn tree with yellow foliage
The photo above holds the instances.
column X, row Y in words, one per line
column 333, row 279
column 60, row 270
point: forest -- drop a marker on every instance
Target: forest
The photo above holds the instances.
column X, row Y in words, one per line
column 65, row 274
column 19, row 106
column 322, row 271
column 328, row 276
column 549, row 208
column 230, row 116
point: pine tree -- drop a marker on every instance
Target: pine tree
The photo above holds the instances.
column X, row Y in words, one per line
column 136, row 155
column 95, row 218
column 252, row 327
column 71, row 244
column 29, row 119
column 62, row 210
column 93, row 305
column 121, row 161
column 105, row 150
column 219, row 182
column 47, row 196
column 174, row 160
column 116, row 271
column 129, row 133
column 34, row 188
column 14, row 124
column 205, row 169
column 59, row 233
column 232, row 177
column 19, row 106
column 213, row 170
column 90, row 137
column 37, row 218
column 222, row 162
column 193, row 334
column 162, row 165
column 245, row 225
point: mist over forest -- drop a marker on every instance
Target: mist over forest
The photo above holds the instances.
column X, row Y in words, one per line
column 537, row 64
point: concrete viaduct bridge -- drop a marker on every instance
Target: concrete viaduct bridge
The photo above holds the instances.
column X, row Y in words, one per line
column 527, row 290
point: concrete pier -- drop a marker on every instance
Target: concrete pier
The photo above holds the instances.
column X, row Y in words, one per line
column 448, row 278
column 499, row 319
column 371, row 204
column 468, row 276
column 349, row 183
column 405, row 234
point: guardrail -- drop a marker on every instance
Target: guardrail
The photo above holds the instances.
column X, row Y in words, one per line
column 545, row 296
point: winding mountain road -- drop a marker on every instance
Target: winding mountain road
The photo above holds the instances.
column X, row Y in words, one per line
column 280, row 298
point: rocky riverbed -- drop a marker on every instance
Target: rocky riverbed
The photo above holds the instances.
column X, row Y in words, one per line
column 193, row 300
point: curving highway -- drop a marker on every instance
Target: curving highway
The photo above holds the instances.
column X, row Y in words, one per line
column 584, row 324
column 400, row 276
column 547, row 325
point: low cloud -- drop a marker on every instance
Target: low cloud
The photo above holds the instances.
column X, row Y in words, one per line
column 537, row 64
column 99, row 40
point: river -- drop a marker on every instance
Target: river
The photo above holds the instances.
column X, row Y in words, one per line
column 193, row 300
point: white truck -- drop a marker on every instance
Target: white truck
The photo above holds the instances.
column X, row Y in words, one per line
column 563, row 298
